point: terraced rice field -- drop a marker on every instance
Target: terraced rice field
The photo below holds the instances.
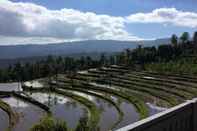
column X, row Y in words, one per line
column 109, row 97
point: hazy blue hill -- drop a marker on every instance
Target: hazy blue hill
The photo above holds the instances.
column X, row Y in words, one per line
column 67, row 48
column 156, row 42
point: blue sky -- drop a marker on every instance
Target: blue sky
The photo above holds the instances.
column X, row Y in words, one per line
column 116, row 7
column 159, row 23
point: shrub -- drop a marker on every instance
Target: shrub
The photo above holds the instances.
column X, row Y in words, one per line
column 50, row 124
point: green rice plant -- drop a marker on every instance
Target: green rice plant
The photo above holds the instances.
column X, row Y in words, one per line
column 48, row 123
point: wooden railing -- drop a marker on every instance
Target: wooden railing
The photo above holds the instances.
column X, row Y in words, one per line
column 179, row 118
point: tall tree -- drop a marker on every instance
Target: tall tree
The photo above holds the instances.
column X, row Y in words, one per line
column 19, row 71
column 112, row 60
column 88, row 61
column 1, row 76
column 127, row 56
column 185, row 37
column 82, row 62
column 103, row 60
column 174, row 40
column 195, row 37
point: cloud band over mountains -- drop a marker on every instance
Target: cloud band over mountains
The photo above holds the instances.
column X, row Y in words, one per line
column 26, row 19
column 19, row 19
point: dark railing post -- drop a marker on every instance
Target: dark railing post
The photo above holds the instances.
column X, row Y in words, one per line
column 194, row 115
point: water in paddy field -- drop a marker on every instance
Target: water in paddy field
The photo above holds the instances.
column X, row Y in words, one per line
column 153, row 109
column 108, row 115
column 4, row 120
column 10, row 87
column 130, row 114
column 62, row 108
column 66, row 109
column 28, row 114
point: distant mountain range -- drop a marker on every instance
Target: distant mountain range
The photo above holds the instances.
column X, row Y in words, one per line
column 68, row 48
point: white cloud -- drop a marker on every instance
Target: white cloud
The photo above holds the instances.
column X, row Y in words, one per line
column 31, row 20
column 30, row 23
column 165, row 16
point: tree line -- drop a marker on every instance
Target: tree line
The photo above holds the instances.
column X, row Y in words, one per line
column 179, row 48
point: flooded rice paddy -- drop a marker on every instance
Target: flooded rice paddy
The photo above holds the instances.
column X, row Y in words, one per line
column 64, row 108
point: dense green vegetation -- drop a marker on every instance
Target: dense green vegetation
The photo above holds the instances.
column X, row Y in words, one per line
column 180, row 66
column 48, row 123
